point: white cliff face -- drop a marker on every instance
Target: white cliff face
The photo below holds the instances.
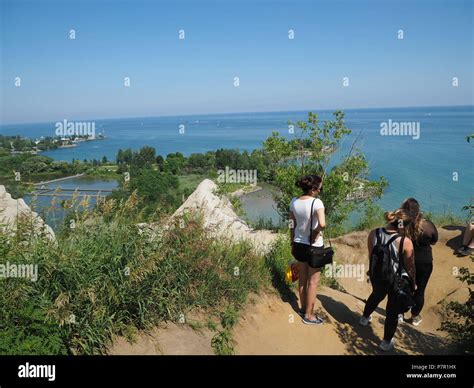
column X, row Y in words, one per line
column 11, row 210
column 220, row 219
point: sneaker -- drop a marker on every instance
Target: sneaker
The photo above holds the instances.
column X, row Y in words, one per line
column 317, row 321
column 416, row 320
column 401, row 318
column 363, row 321
column 386, row 345
column 464, row 251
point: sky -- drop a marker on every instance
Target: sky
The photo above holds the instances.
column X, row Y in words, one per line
column 83, row 78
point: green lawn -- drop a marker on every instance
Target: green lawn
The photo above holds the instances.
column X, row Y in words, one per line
column 190, row 181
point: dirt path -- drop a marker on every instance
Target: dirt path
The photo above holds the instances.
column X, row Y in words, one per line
column 271, row 325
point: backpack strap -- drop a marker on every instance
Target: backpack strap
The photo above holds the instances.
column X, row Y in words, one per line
column 377, row 236
column 392, row 239
column 400, row 256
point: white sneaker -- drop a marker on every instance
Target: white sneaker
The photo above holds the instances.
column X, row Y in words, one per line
column 363, row 321
column 401, row 318
column 416, row 320
column 385, row 346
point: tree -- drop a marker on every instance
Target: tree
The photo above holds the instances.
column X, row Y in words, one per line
column 124, row 156
column 144, row 157
column 160, row 162
column 152, row 185
column 174, row 163
column 200, row 163
column 313, row 151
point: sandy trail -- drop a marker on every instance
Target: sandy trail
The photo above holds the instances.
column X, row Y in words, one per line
column 271, row 325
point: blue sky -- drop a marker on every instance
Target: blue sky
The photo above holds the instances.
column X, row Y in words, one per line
column 83, row 78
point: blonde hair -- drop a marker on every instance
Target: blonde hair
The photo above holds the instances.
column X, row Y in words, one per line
column 399, row 218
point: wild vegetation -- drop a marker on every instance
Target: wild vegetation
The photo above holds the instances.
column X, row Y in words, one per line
column 459, row 321
column 108, row 275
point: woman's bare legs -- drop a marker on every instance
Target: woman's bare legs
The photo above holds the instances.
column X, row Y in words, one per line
column 314, row 275
column 303, row 284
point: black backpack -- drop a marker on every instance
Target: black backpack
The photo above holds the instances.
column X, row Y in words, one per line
column 381, row 261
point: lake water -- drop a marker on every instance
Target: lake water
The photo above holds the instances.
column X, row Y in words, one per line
column 436, row 168
column 52, row 211
column 260, row 205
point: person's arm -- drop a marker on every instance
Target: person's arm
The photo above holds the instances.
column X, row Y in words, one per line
column 409, row 260
column 321, row 224
column 370, row 243
column 434, row 235
column 292, row 227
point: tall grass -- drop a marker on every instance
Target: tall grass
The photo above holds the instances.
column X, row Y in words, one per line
column 277, row 262
column 107, row 276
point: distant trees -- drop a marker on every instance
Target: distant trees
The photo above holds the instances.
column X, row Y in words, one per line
column 197, row 163
column 174, row 163
column 153, row 186
column 23, row 144
column 201, row 163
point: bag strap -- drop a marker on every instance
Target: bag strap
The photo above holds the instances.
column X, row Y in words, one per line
column 311, row 222
column 400, row 256
column 311, row 225
column 392, row 239
column 377, row 236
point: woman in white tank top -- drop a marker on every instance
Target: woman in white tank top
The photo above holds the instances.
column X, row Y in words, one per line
column 301, row 230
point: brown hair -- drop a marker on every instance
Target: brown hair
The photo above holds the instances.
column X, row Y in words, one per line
column 309, row 182
column 399, row 219
column 415, row 229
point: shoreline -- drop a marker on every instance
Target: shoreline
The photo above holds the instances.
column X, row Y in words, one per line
column 244, row 191
column 59, row 179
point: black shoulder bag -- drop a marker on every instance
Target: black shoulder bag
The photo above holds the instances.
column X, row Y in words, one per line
column 402, row 285
column 319, row 256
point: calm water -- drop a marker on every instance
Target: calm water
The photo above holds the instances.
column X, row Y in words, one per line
column 260, row 205
column 52, row 211
column 420, row 168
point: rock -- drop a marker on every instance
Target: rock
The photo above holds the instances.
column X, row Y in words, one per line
column 12, row 210
column 220, row 218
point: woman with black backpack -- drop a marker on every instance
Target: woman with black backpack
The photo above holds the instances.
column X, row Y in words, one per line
column 388, row 248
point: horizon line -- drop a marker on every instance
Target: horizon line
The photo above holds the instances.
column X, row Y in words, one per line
column 237, row 113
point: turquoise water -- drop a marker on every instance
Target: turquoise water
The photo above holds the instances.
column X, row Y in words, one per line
column 420, row 168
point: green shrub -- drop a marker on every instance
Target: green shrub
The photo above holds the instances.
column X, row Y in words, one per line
column 459, row 317
column 277, row 263
column 106, row 276
column 372, row 216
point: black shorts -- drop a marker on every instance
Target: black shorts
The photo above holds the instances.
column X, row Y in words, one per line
column 302, row 253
